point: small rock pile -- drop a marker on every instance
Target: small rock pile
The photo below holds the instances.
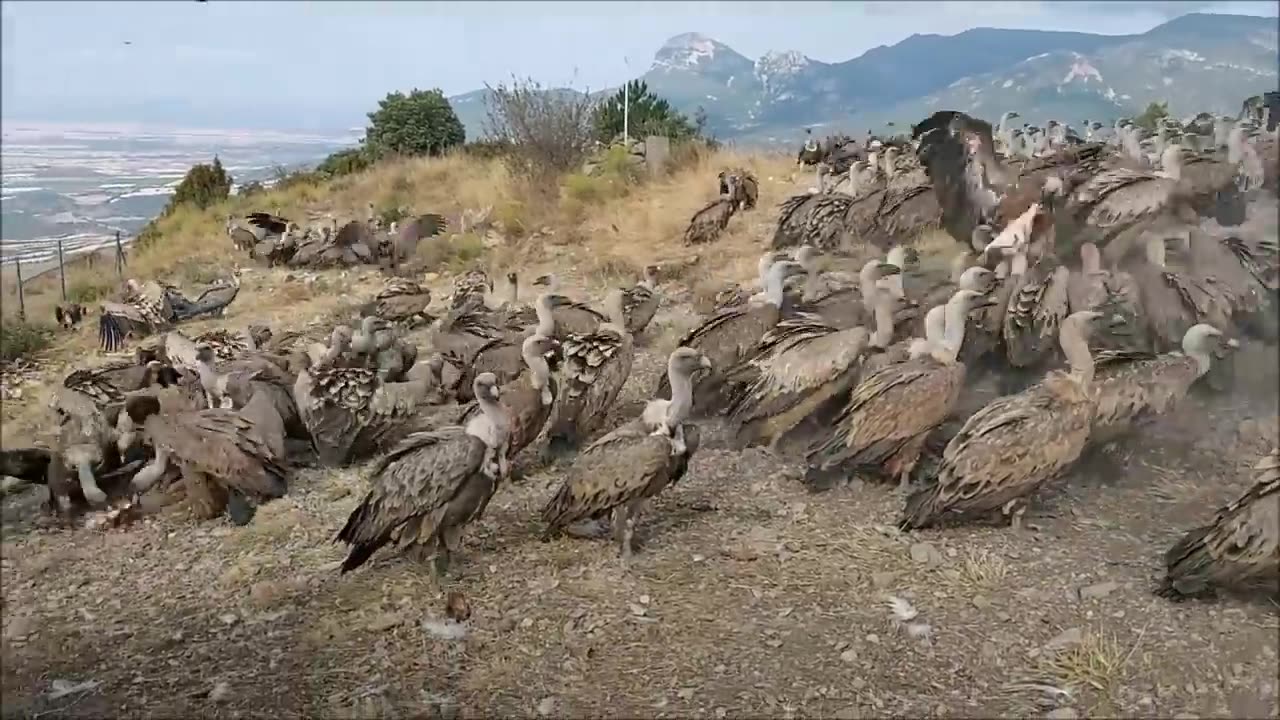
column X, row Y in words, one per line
column 648, row 155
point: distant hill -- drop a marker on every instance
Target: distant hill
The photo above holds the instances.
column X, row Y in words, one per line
column 1196, row 62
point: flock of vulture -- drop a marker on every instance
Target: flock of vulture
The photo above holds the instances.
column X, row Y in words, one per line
column 276, row 240
column 1092, row 287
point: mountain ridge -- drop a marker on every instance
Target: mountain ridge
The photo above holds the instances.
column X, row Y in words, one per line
column 1198, row 61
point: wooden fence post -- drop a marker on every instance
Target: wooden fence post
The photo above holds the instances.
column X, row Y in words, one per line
column 62, row 270
column 119, row 256
column 22, row 301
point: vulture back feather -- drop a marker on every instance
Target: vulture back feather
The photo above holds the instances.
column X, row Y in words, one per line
column 1240, row 549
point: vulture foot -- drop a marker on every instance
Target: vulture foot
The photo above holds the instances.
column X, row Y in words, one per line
column 624, row 532
column 450, row 541
column 239, row 509
column 441, row 563
column 593, row 529
column 904, row 482
column 1015, row 509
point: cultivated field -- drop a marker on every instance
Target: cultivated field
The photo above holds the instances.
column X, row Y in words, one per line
column 748, row 598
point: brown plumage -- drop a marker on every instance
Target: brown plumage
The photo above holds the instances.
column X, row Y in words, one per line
column 595, row 367
column 884, row 423
column 401, row 301
column 904, row 214
column 640, row 301
column 85, row 440
column 231, row 344
column 224, row 457
column 813, row 219
column 351, row 415
column 1037, row 306
column 528, row 397
column 706, row 225
column 633, row 463
column 109, row 383
column 1131, row 393
column 568, row 316
column 411, row 232
column 801, row 364
column 1006, row 450
column 426, row 490
column 138, row 318
column 1239, row 550
column 729, row 336
column 69, row 316
column 468, row 287
column 740, row 186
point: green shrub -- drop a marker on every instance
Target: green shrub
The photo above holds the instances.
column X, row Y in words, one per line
column 202, row 186
column 420, row 123
column 20, row 339
column 392, row 213
column 617, row 165
column 487, row 149
column 85, row 290
column 345, row 162
column 586, row 189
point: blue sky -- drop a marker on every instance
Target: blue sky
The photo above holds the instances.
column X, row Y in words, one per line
column 224, row 60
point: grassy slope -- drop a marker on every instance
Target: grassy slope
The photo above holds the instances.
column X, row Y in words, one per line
column 596, row 231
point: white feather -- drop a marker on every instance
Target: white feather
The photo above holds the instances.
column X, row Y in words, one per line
column 903, row 611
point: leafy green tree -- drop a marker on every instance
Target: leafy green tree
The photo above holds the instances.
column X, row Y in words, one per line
column 420, row 123
column 345, row 162
column 203, row 186
column 649, row 115
column 1151, row 117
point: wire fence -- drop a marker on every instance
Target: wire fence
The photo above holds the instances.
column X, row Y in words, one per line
column 50, row 255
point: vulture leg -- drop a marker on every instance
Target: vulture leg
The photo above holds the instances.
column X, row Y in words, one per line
column 56, row 477
column 1015, row 509
column 88, row 485
column 446, row 546
column 623, row 527
column 206, row 499
column 239, row 509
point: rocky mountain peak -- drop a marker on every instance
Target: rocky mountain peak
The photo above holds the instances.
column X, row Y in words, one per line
column 778, row 64
column 687, row 51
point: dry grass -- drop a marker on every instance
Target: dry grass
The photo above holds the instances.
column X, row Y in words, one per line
column 1094, row 668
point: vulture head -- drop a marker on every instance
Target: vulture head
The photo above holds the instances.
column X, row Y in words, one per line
column 686, row 361
column 204, row 353
column 260, row 335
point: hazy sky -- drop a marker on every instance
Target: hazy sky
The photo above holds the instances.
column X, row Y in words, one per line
column 230, row 59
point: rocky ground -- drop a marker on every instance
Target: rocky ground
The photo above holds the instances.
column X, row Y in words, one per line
column 749, row 597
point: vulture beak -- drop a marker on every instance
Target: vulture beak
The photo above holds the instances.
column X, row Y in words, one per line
column 984, row 302
column 704, row 362
column 887, row 269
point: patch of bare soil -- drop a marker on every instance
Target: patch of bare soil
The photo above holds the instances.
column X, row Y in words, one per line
column 749, row 597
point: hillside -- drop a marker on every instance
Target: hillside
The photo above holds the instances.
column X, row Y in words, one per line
column 748, row 596
column 1197, row 62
